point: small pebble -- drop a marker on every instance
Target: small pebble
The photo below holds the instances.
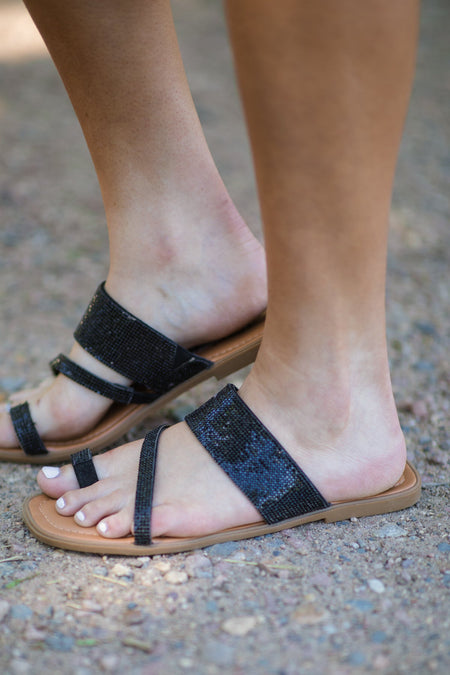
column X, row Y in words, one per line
column 361, row 605
column 376, row 585
column 225, row 549
column 174, row 577
column 309, row 615
column 390, row 530
column 21, row 612
column 109, row 662
column 19, row 667
column 443, row 547
column 121, row 571
column 239, row 625
column 58, row 642
column 356, row 659
column 199, row 566
column 162, row 566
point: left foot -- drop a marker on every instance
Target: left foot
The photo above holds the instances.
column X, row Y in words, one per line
column 348, row 452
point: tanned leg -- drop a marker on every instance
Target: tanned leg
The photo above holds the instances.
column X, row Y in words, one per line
column 325, row 87
column 181, row 257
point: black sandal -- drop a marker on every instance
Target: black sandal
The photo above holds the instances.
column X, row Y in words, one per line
column 160, row 369
column 253, row 459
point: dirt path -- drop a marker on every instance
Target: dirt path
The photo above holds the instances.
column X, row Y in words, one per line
column 351, row 597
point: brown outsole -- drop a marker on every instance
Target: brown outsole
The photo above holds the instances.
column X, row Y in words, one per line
column 49, row 527
column 228, row 356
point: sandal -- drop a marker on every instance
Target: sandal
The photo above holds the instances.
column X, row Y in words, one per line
column 251, row 457
column 160, row 369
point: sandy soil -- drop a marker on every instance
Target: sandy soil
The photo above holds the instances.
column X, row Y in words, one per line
column 351, row 597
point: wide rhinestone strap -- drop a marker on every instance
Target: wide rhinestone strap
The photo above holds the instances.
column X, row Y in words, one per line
column 253, row 458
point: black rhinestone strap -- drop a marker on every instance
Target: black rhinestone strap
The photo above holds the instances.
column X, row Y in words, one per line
column 84, row 468
column 252, row 457
column 144, row 488
column 125, row 343
column 116, row 392
column 29, row 439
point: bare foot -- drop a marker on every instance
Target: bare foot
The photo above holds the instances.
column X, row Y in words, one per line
column 193, row 299
column 347, row 455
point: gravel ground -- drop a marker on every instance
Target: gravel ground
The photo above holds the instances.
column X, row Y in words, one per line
column 351, row 597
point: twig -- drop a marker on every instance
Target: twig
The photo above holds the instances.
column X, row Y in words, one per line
column 261, row 565
column 111, row 581
column 138, row 644
column 14, row 557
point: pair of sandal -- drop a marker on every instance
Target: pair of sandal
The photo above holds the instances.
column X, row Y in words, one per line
column 226, row 427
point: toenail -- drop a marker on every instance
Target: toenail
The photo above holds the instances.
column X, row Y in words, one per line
column 60, row 503
column 102, row 527
column 50, row 471
column 80, row 516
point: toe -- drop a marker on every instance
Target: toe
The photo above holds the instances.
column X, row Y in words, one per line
column 116, row 525
column 110, row 505
column 55, row 481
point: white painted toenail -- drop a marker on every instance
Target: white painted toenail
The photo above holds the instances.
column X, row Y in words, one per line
column 60, row 503
column 102, row 527
column 80, row 516
column 50, row 471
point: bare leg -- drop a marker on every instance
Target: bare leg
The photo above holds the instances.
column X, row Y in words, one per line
column 325, row 89
column 173, row 229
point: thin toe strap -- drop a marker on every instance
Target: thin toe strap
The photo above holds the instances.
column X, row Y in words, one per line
column 144, row 488
column 84, row 468
column 29, row 439
column 253, row 458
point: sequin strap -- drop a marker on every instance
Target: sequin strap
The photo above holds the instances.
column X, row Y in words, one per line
column 115, row 392
column 84, row 468
column 252, row 457
column 132, row 348
column 144, row 488
column 29, row 439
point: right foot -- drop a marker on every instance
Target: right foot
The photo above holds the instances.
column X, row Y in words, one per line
column 197, row 298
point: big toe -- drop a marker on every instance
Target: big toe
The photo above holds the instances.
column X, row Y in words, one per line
column 55, row 481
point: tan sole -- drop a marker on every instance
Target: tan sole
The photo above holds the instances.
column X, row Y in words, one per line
column 48, row 526
column 228, row 356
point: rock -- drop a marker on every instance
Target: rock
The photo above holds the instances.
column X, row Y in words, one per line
column 381, row 662
column 443, row 547
column 420, row 409
column 109, row 662
column 239, row 625
column 19, row 667
column 356, row 659
column 100, row 571
column 390, row 530
column 361, row 605
column 4, row 609
column 378, row 637
column 174, row 577
column 218, row 653
column 224, row 549
column 21, row 612
column 309, row 614
column 199, row 566
column 320, row 580
column 122, row 571
column 376, row 585
column 58, row 642
column 162, row 566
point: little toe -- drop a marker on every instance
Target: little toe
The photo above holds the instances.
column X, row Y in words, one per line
column 117, row 525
